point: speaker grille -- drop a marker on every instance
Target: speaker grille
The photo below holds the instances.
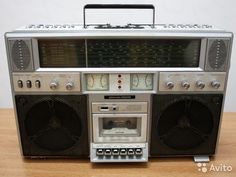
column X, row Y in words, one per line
column 217, row 55
column 53, row 125
column 187, row 119
column 21, row 55
column 185, row 124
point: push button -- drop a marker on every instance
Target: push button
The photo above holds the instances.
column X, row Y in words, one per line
column 37, row 84
column 28, row 84
column 20, row 83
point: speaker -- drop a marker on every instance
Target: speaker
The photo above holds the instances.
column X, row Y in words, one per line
column 53, row 125
column 185, row 124
column 217, row 55
column 21, row 55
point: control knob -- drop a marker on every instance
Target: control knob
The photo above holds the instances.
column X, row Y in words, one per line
column 200, row 84
column 69, row 86
column 215, row 84
column 53, row 85
column 185, row 85
column 170, row 85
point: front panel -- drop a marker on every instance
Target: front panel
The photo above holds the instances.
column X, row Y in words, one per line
column 114, row 94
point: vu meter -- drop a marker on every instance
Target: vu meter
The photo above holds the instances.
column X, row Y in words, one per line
column 141, row 81
column 97, row 82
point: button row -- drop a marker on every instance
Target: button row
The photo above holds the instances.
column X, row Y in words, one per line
column 52, row 26
column 28, row 84
column 69, row 26
column 121, row 152
column 191, row 26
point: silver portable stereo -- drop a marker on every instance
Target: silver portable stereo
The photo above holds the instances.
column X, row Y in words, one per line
column 118, row 93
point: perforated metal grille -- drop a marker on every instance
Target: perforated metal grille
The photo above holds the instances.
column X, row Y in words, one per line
column 21, row 57
column 217, row 55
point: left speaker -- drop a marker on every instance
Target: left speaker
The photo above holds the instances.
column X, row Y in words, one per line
column 21, row 54
column 53, row 125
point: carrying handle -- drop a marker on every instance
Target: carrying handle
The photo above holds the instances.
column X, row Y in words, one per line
column 120, row 6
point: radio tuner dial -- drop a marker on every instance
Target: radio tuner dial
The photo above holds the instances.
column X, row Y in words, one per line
column 215, row 84
column 170, row 85
column 69, row 86
column 185, row 85
column 53, row 85
column 200, row 84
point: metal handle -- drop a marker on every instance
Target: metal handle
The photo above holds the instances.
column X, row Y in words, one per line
column 119, row 6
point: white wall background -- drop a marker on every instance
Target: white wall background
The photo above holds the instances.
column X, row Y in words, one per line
column 15, row 13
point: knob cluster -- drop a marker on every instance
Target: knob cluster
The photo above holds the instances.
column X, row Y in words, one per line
column 199, row 84
column 54, row 85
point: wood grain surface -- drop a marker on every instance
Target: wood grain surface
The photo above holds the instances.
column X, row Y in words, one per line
column 13, row 165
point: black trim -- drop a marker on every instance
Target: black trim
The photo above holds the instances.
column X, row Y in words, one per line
column 118, row 6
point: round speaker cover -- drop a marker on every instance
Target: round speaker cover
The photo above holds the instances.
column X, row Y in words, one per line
column 185, row 124
column 53, row 124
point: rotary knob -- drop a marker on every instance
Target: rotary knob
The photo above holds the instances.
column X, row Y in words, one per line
column 69, row 86
column 185, row 85
column 215, row 84
column 53, row 85
column 170, row 85
column 200, row 84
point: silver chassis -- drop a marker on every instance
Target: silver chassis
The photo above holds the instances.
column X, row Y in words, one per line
column 83, row 33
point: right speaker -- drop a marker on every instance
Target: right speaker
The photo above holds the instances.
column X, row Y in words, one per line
column 217, row 55
column 185, row 124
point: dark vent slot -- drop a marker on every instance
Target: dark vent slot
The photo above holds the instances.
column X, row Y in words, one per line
column 20, row 55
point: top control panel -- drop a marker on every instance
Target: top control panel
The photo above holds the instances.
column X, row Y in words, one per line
column 119, row 82
column 70, row 27
column 46, row 82
column 191, row 81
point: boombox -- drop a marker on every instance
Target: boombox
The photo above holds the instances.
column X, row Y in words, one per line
column 118, row 93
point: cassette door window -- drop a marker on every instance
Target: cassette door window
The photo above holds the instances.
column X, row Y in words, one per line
column 119, row 127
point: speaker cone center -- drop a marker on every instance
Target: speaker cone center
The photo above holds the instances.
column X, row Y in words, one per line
column 55, row 122
column 183, row 122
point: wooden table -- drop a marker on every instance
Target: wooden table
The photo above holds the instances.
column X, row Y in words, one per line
column 13, row 165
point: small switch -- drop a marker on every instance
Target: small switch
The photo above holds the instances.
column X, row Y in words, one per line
column 37, row 84
column 28, row 84
column 20, row 83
